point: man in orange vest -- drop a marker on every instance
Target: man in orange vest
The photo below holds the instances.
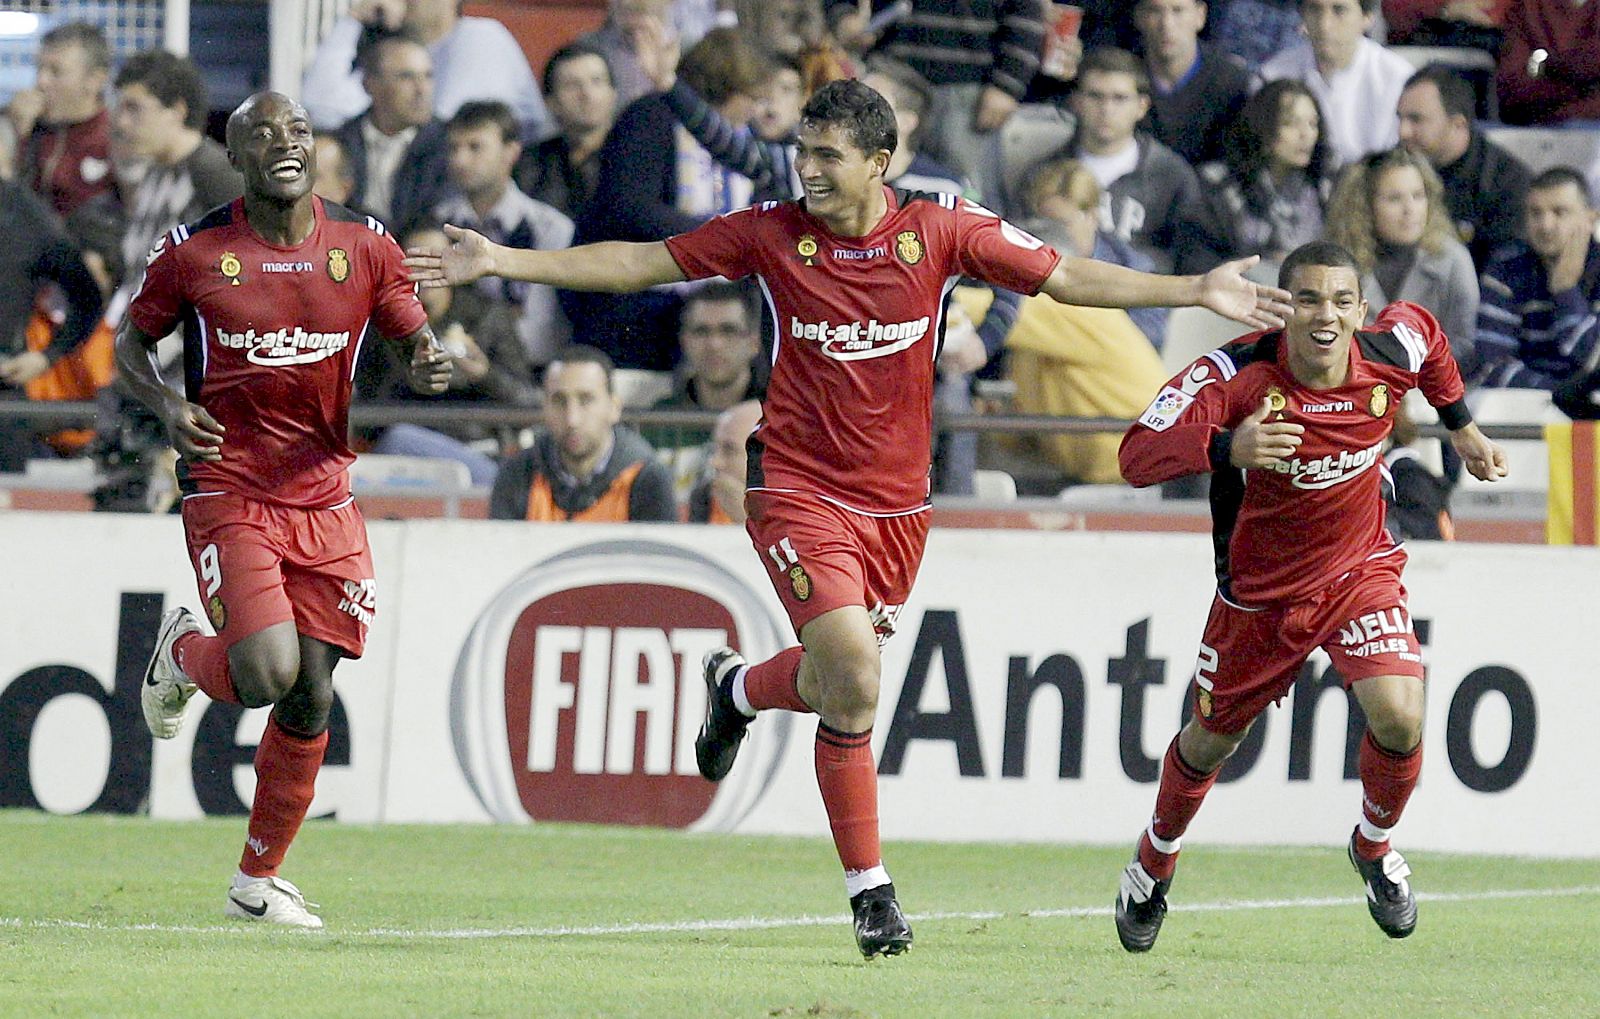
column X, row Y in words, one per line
column 584, row 465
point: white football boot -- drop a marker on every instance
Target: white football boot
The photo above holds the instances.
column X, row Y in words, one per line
column 166, row 690
column 270, row 900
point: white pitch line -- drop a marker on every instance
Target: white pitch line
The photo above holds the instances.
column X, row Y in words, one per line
column 775, row 923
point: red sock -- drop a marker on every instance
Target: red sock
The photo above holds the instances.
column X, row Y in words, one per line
column 1178, row 799
column 205, row 661
column 848, row 778
column 286, row 777
column 775, row 682
column 1387, row 779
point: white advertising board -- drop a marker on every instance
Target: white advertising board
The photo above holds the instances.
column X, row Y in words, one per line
column 523, row 673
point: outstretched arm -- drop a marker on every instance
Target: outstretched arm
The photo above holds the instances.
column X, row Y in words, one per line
column 1225, row 290
column 617, row 267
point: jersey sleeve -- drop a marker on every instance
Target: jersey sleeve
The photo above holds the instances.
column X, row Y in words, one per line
column 157, row 304
column 723, row 246
column 990, row 249
column 1438, row 375
column 395, row 309
column 1186, row 428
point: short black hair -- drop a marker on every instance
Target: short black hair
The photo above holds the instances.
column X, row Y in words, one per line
column 1455, row 92
column 582, row 353
column 720, row 291
column 1559, row 175
column 863, row 114
column 1367, row 6
column 87, row 37
column 1324, row 253
column 1111, row 60
column 478, row 113
column 573, row 51
column 372, row 42
column 171, row 79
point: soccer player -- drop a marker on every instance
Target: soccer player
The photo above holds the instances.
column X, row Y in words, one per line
column 856, row 277
column 275, row 291
column 1291, row 424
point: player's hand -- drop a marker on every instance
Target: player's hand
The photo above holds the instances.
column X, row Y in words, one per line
column 24, row 368
column 1258, row 442
column 468, row 256
column 995, row 107
column 430, row 365
column 194, row 433
column 851, row 30
column 1484, row 459
column 1227, row 291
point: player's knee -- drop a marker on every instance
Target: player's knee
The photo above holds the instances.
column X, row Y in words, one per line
column 307, row 707
column 851, row 688
column 264, row 678
column 1399, row 730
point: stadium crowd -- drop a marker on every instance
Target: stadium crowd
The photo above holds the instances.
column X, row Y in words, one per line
column 1162, row 134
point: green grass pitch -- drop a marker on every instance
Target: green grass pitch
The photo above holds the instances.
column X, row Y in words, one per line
column 114, row 916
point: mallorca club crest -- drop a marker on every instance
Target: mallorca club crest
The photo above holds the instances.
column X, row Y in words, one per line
column 1378, row 402
column 338, row 265
column 799, row 582
column 1276, row 401
column 229, row 266
column 1203, row 701
column 218, row 613
column 908, row 246
column 807, row 248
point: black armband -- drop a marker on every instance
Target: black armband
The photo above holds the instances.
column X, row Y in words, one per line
column 1455, row 416
column 1220, row 451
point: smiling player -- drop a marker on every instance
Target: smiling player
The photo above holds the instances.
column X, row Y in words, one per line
column 275, row 292
column 1291, row 425
column 856, row 277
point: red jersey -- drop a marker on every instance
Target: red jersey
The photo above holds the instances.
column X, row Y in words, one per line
column 271, row 338
column 859, row 323
column 1288, row 532
column 68, row 164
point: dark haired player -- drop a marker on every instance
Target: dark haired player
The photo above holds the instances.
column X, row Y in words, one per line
column 276, row 292
column 1291, row 423
column 856, row 276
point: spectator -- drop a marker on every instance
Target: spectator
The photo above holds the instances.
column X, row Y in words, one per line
column 396, row 147
column 584, row 466
column 1389, row 212
column 472, row 58
column 62, row 125
column 1356, row 81
column 1475, row 24
column 1418, row 499
column 782, row 29
column 778, row 101
column 719, row 497
column 1072, row 361
column 483, row 149
column 1536, row 325
column 1059, row 198
column 37, row 252
column 656, row 181
column 1267, row 195
column 336, row 176
column 489, row 367
column 1485, row 186
column 911, row 98
column 1256, row 30
column 562, row 170
column 721, row 366
column 1196, row 91
column 980, row 56
column 1550, row 63
column 622, row 40
column 160, row 113
column 1150, row 196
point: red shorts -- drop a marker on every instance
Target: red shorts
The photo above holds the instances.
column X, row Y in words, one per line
column 821, row 556
column 258, row 565
column 1251, row 657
